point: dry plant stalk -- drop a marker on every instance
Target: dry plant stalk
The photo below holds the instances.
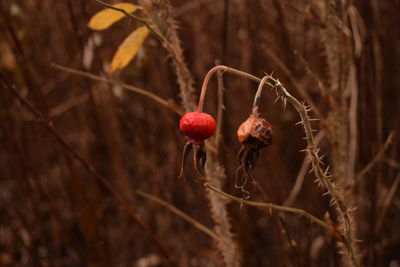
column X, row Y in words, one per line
column 160, row 14
column 341, row 69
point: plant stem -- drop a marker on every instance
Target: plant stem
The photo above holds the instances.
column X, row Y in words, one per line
column 345, row 219
column 224, row 69
column 300, row 212
column 179, row 213
column 166, row 103
column 256, row 102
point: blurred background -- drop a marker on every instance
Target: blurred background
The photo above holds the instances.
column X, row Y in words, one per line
column 339, row 56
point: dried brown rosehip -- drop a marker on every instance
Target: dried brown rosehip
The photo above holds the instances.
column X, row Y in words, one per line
column 254, row 134
column 255, row 130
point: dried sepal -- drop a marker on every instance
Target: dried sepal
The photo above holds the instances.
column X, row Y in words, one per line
column 186, row 149
column 199, row 159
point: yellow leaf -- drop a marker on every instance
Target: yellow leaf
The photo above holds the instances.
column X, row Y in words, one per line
column 128, row 49
column 105, row 18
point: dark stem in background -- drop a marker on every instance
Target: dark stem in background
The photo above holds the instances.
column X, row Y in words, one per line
column 89, row 167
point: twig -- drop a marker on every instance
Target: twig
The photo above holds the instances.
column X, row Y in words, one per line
column 166, row 103
column 265, row 205
column 372, row 163
column 90, row 168
column 386, row 203
column 302, row 174
column 317, row 79
column 391, row 162
column 179, row 213
column 67, row 105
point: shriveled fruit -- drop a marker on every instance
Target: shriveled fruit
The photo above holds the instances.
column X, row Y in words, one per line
column 255, row 130
column 254, row 134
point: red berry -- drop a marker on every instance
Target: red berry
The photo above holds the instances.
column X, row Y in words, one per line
column 197, row 126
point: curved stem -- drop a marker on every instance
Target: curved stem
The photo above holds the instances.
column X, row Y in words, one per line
column 256, row 102
column 266, row 205
column 224, row 69
column 165, row 102
column 180, row 214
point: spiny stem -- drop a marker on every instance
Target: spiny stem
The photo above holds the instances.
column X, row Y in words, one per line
column 335, row 193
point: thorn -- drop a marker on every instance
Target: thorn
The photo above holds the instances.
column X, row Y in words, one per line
column 353, row 209
column 314, row 119
column 325, row 194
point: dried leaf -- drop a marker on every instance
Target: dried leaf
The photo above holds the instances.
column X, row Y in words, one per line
column 128, row 49
column 105, row 18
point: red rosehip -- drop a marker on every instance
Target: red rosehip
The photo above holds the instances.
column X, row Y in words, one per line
column 197, row 126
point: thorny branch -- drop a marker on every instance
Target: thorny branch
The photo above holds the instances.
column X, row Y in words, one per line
column 342, row 210
column 323, row 176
